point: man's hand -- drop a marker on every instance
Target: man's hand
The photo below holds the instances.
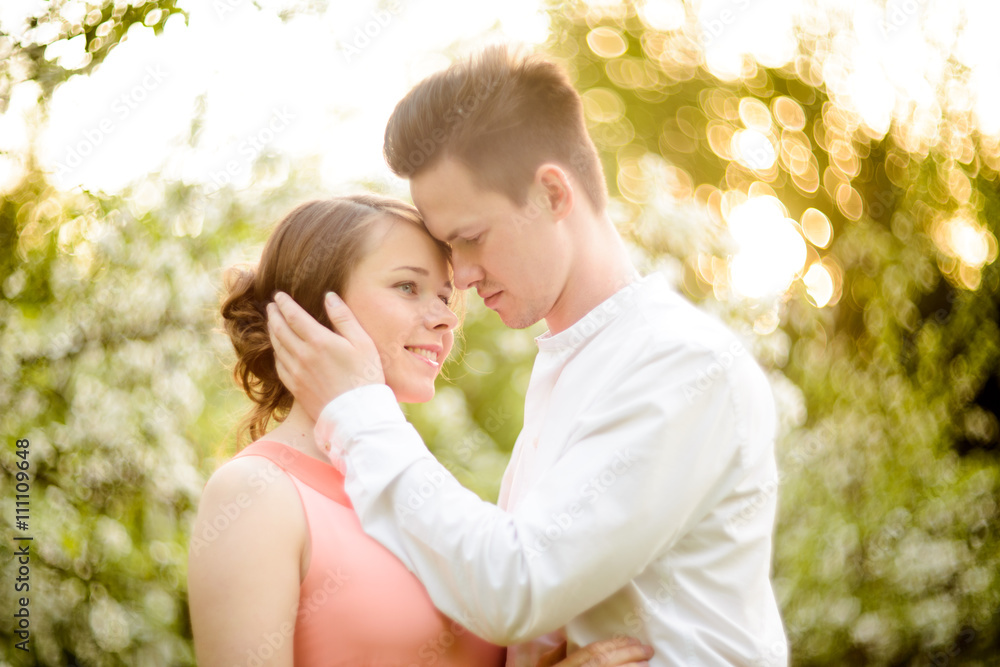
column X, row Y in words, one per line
column 315, row 364
column 619, row 651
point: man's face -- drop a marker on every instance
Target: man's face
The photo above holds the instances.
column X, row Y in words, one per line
column 515, row 256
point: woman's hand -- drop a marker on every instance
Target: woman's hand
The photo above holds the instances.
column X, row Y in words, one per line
column 619, row 651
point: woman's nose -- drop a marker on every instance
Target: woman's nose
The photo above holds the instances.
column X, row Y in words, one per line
column 440, row 317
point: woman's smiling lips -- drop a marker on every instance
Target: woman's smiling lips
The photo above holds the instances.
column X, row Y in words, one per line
column 425, row 353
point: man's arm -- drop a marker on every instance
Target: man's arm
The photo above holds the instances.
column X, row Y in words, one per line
column 641, row 470
column 644, row 464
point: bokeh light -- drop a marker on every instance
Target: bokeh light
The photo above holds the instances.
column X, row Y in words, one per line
column 966, row 246
column 606, row 42
column 820, row 175
column 816, row 227
column 771, row 250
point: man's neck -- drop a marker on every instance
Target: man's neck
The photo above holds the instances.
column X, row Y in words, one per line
column 601, row 268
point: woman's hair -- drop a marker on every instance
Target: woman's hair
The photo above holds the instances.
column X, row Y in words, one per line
column 502, row 115
column 312, row 251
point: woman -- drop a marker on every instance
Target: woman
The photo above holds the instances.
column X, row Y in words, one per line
column 280, row 572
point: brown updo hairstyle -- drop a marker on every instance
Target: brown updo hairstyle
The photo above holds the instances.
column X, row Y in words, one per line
column 312, row 251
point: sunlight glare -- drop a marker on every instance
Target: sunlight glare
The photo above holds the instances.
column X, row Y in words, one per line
column 819, row 284
column 771, row 250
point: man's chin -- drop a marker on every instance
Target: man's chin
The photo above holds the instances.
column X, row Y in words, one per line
column 517, row 320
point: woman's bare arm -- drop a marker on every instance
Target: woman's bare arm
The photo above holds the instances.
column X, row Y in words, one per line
column 244, row 565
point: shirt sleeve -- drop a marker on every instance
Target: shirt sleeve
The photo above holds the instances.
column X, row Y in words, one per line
column 646, row 461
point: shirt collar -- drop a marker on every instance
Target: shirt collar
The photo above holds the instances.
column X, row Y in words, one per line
column 588, row 326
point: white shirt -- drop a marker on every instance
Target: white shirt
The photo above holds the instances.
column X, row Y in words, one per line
column 639, row 499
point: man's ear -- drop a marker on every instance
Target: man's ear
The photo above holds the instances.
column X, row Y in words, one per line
column 552, row 191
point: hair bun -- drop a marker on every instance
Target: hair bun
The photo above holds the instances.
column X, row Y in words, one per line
column 245, row 321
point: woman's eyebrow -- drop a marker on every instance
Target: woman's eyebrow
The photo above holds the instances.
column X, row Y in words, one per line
column 422, row 271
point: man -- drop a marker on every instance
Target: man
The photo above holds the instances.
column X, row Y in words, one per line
column 639, row 499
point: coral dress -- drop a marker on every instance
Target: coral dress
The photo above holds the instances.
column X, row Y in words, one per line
column 359, row 605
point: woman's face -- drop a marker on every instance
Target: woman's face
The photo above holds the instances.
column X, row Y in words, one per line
column 399, row 293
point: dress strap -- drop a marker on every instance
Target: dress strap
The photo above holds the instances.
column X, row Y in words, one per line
column 322, row 477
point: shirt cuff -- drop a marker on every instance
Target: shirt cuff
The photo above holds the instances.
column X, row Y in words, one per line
column 349, row 414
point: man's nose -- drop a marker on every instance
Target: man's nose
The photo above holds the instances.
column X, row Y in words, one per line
column 466, row 272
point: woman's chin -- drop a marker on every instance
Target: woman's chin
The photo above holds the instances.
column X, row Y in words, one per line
column 413, row 394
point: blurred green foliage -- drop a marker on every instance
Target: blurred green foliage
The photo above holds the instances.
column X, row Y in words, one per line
column 886, row 551
column 94, row 28
column 113, row 372
column 887, row 546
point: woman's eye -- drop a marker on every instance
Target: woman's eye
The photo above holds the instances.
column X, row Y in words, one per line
column 446, row 299
column 409, row 288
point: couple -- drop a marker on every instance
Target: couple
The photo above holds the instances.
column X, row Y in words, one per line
column 636, row 514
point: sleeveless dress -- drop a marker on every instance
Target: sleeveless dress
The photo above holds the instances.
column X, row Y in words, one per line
column 359, row 605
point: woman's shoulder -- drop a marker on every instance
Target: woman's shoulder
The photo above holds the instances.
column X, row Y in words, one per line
column 243, row 480
column 248, row 500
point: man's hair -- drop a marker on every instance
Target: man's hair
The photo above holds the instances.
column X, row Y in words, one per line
column 501, row 115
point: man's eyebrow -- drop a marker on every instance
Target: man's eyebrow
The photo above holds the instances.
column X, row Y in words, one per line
column 458, row 232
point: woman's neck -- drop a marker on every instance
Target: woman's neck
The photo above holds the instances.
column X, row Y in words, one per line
column 296, row 431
